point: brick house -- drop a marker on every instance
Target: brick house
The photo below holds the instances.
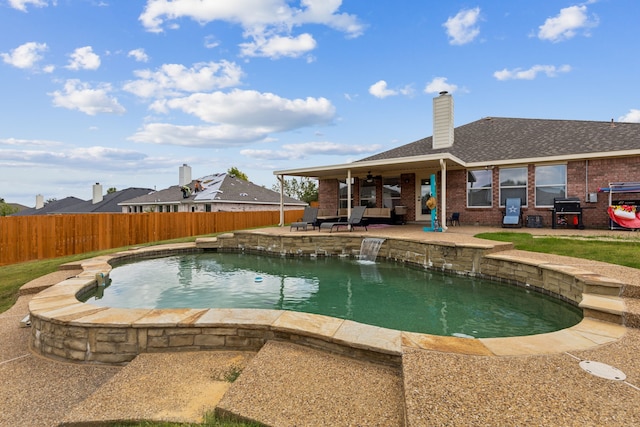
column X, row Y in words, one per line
column 218, row 192
column 479, row 165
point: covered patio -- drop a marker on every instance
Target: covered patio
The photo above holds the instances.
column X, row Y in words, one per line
column 400, row 186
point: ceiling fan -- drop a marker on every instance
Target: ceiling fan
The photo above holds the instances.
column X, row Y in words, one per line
column 370, row 177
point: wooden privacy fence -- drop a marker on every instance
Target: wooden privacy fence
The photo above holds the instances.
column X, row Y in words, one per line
column 26, row 238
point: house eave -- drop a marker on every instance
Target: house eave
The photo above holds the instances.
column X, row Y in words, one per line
column 552, row 159
column 376, row 166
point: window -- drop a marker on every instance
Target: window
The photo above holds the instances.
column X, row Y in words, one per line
column 368, row 193
column 551, row 182
column 513, row 185
column 207, row 207
column 480, row 188
column 390, row 192
column 342, row 195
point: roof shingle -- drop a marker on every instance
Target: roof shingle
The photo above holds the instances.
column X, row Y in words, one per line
column 496, row 138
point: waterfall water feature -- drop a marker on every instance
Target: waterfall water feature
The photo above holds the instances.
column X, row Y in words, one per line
column 369, row 249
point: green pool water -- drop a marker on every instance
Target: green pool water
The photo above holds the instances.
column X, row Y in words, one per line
column 384, row 293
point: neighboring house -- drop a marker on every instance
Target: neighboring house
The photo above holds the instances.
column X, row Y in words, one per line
column 212, row 193
column 479, row 165
column 98, row 204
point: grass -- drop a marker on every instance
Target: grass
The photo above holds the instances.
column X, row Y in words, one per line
column 619, row 252
column 232, row 374
column 210, row 420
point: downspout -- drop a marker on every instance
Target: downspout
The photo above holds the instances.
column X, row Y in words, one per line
column 443, row 194
column 586, row 181
column 281, row 179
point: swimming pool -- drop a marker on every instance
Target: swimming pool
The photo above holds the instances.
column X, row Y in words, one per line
column 384, row 294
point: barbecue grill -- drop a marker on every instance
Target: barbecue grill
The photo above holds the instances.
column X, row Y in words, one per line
column 567, row 207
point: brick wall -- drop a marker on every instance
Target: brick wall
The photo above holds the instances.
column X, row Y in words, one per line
column 583, row 177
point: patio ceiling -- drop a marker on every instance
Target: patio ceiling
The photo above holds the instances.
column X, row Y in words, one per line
column 386, row 167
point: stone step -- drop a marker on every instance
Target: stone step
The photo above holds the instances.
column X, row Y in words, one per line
column 603, row 307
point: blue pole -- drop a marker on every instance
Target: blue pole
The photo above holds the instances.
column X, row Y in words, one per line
column 435, row 226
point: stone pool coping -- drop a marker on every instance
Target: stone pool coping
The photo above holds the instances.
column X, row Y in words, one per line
column 66, row 329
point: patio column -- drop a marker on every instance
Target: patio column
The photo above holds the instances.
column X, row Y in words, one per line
column 281, row 179
column 349, row 196
column 443, row 194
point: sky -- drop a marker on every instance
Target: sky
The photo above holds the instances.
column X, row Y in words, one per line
column 123, row 93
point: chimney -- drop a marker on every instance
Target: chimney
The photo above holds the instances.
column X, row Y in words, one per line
column 443, row 120
column 39, row 201
column 97, row 193
column 185, row 175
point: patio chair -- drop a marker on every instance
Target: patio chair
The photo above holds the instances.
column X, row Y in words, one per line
column 513, row 213
column 309, row 218
column 454, row 219
column 355, row 220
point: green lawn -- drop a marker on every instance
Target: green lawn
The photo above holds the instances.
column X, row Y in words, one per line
column 621, row 252
column 210, row 420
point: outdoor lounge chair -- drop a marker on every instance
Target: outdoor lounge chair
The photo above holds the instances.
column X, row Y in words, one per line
column 513, row 213
column 454, row 219
column 309, row 218
column 355, row 220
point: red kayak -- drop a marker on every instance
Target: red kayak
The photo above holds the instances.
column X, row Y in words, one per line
column 625, row 216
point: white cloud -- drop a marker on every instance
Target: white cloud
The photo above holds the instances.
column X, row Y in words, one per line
column 463, row 28
column 237, row 117
column 566, row 24
column 304, row 150
column 633, row 116
column 267, row 23
column 273, row 154
column 83, row 58
column 82, row 97
column 251, row 14
column 439, row 84
column 139, row 55
column 332, row 148
column 379, row 90
column 176, row 79
column 253, row 109
column 29, row 142
column 198, row 136
column 25, row 55
column 531, row 73
column 324, row 12
column 278, row 46
column 22, row 4
column 71, row 157
column 210, row 42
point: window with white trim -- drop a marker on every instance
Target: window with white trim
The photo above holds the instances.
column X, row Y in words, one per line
column 513, row 185
column 551, row 182
column 368, row 193
column 342, row 194
column 391, row 191
column 480, row 188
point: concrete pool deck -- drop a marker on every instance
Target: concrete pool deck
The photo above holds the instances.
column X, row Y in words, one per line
column 286, row 384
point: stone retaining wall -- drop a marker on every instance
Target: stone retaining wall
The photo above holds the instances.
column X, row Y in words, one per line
column 64, row 328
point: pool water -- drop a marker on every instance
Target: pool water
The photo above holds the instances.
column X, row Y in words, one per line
column 383, row 293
